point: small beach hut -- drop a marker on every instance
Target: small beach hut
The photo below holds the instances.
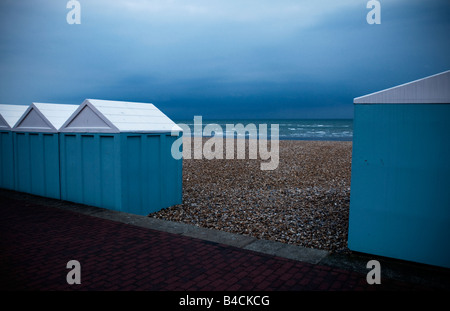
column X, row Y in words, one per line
column 36, row 148
column 400, row 198
column 117, row 155
column 9, row 115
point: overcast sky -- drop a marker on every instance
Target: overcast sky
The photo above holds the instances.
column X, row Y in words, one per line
column 227, row 58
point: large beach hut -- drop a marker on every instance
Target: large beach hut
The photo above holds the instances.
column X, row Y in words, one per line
column 9, row 115
column 117, row 155
column 36, row 148
column 400, row 198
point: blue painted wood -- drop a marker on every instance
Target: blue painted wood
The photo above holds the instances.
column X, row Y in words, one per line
column 6, row 160
column 107, row 158
column 400, row 198
column 70, row 154
column 130, row 172
column 133, row 170
column 36, row 159
column 175, row 168
column 155, row 172
column 89, row 169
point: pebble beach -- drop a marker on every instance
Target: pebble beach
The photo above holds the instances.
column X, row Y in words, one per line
column 304, row 201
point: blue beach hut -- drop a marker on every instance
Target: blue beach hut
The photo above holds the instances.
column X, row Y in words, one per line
column 117, row 155
column 9, row 115
column 36, row 148
column 400, row 198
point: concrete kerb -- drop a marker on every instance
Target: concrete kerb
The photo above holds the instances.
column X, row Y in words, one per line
column 425, row 275
column 274, row 248
column 434, row 277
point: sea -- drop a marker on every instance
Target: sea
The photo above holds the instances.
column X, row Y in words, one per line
column 289, row 129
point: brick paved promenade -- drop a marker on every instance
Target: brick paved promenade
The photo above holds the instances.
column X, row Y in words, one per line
column 37, row 241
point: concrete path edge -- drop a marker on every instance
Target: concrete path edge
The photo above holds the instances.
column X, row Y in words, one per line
column 309, row 255
column 425, row 275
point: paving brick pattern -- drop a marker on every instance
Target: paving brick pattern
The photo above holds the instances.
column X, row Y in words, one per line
column 36, row 242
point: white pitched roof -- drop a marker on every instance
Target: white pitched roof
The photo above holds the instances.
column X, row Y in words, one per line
column 434, row 89
column 106, row 116
column 10, row 114
column 43, row 117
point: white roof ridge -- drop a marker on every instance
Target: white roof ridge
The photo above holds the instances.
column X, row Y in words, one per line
column 53, row 118
column 430, row 89
column 10, row 114
column 56, row 117
column 119, row 116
